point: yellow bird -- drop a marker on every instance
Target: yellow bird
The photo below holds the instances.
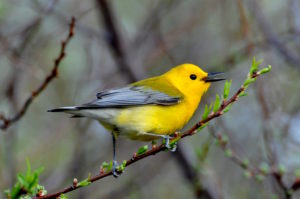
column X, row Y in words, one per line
column 151, row 108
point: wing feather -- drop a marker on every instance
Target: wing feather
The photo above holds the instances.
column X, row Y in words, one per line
column 130, row 96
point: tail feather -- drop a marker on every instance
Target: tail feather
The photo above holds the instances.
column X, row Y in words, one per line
column 64, row 109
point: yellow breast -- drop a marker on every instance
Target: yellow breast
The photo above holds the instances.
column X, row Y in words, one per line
column 155, row 119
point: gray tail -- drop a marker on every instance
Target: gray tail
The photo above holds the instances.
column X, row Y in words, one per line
column 64, row 109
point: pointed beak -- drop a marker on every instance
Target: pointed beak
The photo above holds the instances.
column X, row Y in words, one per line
column 214, row 77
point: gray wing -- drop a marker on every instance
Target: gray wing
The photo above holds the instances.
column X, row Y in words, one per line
column 130, row 96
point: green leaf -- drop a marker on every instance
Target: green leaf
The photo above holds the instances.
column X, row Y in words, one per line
column 227, row 88
column 63, row 196
column 224, row 139
column 206, row 111
column 85, row 182
column 255, row 65
column 227, row 108
column 110, row 166
column 245, row 163
column 28, row 172
column 15, row 192
column 259, row 177
column 202, row 127
column 249, row 81
column 243, row 94
column 173, row 141
column 217, row 104
column 282, row 169
column 265, row 70
column 25, row 197
column 124, row 163
column 247, row 174
column 105, row 165
column 228, row 153
column 22, row 180
column 121, row 167
column 264, row 168
column 142, row 150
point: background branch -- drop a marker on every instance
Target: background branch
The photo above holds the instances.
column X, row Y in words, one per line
column 6, row 122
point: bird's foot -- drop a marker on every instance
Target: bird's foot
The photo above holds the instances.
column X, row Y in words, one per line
column 115, row 171
column 171, row 147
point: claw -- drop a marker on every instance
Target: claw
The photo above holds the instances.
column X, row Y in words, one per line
column 167, row 144
column 115, row 174
column 114, row 169
column 173, row 148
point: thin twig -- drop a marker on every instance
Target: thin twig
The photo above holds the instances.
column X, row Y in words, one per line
column 159, row 148
column 6, row 122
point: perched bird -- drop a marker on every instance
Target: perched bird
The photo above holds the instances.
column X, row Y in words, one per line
column 148, row 109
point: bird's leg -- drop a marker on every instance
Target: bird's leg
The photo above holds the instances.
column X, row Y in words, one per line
column 115, row 164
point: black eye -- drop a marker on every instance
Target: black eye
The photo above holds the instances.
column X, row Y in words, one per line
column 193, row 76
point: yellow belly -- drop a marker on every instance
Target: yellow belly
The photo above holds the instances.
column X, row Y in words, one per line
column 136, row 122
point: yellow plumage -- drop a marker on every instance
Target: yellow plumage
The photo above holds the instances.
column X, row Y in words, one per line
column 151, row 108
column 165, row 120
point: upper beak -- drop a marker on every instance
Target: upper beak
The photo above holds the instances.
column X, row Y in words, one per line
column 214, row 77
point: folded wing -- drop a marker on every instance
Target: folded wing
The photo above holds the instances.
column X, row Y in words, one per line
column 130, row 96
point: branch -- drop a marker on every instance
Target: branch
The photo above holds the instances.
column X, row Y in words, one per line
column 6, row 122
column 258, row 172
column 113, row 39
column 224, row 107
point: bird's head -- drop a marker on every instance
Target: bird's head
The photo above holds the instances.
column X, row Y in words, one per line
column 191, row 80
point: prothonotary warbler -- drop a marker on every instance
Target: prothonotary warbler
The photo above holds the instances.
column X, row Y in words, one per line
column 151, row 108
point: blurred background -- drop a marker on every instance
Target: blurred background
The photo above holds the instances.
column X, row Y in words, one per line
column 117, row 42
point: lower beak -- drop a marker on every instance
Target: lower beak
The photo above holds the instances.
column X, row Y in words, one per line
column 214, row 77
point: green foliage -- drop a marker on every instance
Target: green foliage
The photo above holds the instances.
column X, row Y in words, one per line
column 142, row 150
column 243, row 94
column 228, row 153
column 107, row 166
column 207, row 110
column 245, row 163
column 281, row 169
column 25, row 197
column 86, row 181
column 254, row 70
column 249, row 81
column 63, row 196
column 227, row 108
column 265, row 70
column 202, row 127
column 227, row 89
column 121, row 167
column 264, row 168
column 259, row 177
column 297, row 173
column 247, row 174
column 255, row 65
column 217, row 104
column 27, row 184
